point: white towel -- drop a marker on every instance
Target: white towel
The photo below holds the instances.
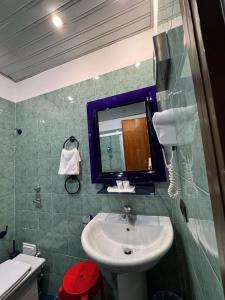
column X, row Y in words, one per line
column 69, row 162
column 115, row 189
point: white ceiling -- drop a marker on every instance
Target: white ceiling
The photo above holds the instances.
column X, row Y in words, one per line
column 122, row 111
column 30, row 44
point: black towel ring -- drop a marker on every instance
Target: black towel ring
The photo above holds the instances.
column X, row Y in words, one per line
column 72, row 139
column 75, row 178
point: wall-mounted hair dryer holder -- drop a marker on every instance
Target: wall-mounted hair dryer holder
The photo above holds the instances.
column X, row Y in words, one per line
column 165, row 126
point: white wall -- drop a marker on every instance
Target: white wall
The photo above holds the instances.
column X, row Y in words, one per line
column 116, row 123
column 7, row 89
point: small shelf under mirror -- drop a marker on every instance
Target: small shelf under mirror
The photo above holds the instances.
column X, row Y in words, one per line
column 139, row 190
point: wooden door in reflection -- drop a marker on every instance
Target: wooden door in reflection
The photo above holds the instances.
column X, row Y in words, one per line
column 136, row 144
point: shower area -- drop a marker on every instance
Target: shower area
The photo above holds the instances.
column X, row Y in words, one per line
column 112, row 151
column 7, row 176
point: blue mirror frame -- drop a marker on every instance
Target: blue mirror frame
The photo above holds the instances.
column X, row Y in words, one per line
column 157, row 174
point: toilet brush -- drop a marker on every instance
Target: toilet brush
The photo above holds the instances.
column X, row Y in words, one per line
column 15, row 252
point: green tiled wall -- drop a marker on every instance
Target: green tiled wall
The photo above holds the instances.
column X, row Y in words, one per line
column 7, row 166
column 47, row 121
column 168, row 9
column 195, row 241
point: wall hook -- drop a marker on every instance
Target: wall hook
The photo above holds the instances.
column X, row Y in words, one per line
column 4, row 232
column 18, row 131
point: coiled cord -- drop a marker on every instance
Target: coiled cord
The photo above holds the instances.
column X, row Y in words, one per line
column 187, row 167
column 174, row 187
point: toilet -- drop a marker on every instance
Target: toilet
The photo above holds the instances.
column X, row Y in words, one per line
column 19, row 277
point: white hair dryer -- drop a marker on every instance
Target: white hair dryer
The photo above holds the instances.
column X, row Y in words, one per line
column 165, row 126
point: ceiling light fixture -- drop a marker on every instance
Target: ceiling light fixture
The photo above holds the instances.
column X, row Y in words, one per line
column 70, row 98
column 57, row 21
column 137, row 65
column 96, row 77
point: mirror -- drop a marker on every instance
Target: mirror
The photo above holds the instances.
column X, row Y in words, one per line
column 122, row 140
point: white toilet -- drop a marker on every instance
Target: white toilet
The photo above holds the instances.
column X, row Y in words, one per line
column 18, row 277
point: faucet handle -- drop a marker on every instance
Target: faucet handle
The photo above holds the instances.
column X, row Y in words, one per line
column 37, row 189
column 127, row 209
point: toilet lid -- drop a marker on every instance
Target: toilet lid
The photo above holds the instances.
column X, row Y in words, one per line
column 11, row 273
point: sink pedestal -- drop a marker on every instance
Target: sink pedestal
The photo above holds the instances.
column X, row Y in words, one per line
column 132, row 286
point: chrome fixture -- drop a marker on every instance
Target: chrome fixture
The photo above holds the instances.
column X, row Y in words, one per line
column 127, row 213
column 37, row 189
column 37, row 199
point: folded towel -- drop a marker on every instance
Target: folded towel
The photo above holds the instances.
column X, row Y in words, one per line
column 69, row 162
column 115, row 189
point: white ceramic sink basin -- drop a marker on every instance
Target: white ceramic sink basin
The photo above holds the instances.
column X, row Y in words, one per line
column 122, row 247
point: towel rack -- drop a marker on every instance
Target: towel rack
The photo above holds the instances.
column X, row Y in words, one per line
column 72, row 139
column 75, row 179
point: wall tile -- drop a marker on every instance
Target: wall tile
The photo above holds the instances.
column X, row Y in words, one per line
column 52, row 241
column 61, row 263
column 45, row 221
column 103, row 86
column 75, row 248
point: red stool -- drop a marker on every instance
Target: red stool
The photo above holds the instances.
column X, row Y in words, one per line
column 82, row 282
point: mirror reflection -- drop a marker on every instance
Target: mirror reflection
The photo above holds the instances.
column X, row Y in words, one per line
column 124, row 138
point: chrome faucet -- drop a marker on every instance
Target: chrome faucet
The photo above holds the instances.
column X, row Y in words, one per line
column 127, row 213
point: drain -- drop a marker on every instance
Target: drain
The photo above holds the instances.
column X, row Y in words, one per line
column 127, row 251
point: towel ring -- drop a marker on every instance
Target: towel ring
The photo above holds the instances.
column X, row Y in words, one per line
column 72, row 139
column 75, row 178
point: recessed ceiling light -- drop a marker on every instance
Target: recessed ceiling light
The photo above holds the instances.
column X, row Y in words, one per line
column 57, row 21
column 96, row 77
column 70, row 98
column 137, row 65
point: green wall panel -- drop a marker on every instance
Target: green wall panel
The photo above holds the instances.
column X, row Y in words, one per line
column 195, row 241
column 7, row 174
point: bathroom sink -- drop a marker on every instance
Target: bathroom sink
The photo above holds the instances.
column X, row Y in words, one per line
column 124, row 247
